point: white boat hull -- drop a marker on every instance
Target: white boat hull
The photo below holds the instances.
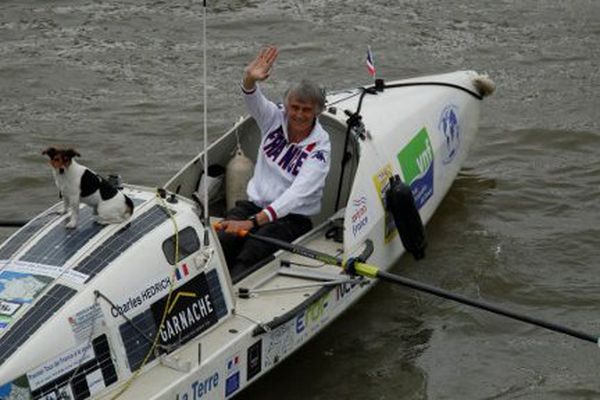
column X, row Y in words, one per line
column 213, row 341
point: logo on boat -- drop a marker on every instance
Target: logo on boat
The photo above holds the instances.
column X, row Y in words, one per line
column 382, row 185
column 84, row 321
column 449, row 127
column 4, row 322
column 189, row 312
column 314, row 314
column 20, row 288
column 181, row 272
column 8, row 308
column 360, row 217
column 232, row 382
column 59, row 366
column 279, row 343
column 201, row 388
column 344, row 289
column 416, row 163
column 254, row 360
column 136, row 301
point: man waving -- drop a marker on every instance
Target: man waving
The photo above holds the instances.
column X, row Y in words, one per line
column 291, row 167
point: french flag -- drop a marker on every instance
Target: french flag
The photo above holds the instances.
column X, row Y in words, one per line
column 370, row 62
column 233, row 363
column 184, row 272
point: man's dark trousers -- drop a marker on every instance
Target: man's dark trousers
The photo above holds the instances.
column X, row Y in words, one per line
column 241, row 253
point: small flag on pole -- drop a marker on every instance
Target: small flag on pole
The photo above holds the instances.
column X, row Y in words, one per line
column 370, row 62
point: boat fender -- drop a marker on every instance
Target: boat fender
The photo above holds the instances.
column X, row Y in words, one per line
column 238, row 172
column 400, row 202
column 484, row 84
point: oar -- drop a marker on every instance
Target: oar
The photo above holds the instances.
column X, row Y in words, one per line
column 374, row 272
column 292, row 248
column 354, row 266
column 12, row 224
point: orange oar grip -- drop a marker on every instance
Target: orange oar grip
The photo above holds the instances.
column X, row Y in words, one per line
column 240, row 233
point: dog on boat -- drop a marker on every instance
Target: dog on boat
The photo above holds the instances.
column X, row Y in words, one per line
column 77, row 183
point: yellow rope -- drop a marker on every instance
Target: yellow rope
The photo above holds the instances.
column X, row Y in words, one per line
column 135, row 375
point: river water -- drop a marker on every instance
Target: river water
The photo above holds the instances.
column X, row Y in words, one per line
column 122, row 82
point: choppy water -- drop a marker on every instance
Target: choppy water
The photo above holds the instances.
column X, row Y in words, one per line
column 122, row 81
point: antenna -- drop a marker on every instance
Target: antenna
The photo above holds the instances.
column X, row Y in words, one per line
column 205, row 129
column 205, row 114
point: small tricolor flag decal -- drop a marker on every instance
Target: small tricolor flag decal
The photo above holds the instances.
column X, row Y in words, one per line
column 370, row 62
column 233, row 363
column 182, row 272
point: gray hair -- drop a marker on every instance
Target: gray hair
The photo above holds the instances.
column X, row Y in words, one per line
column 307, row 91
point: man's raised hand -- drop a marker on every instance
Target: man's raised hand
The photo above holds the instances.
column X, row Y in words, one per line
column 259, row 69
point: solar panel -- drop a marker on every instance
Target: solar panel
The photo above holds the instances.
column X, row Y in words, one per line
column 33, row 319
column 135, row 338
column 214, row 288
column 60, row 244
column 12, row 245
column 121, row 241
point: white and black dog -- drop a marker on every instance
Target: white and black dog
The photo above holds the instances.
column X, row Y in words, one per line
column 77, row 183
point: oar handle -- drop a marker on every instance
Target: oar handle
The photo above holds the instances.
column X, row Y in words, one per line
column 292, row 248
column 240, row 232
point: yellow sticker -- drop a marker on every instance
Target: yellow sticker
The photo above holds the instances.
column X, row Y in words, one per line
column 382, row 184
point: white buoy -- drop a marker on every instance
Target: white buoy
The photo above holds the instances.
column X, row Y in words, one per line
column 238, row 172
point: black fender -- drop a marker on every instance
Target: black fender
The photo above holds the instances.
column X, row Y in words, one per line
column 401, row 204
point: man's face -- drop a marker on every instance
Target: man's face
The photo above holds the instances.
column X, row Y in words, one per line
column 301, row 115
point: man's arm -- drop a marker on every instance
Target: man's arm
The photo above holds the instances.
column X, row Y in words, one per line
column 259, row 69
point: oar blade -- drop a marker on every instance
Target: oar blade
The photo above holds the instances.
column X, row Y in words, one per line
column 12, row 224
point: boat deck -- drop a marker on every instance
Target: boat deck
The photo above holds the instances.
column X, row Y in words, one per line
column 275, row 292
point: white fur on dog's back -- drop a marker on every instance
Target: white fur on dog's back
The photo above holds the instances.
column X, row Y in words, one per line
column 111, row 211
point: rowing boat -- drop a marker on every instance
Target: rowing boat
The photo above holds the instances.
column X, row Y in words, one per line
column 147, row 309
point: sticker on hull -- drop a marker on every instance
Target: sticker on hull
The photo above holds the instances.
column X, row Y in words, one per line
column 382, row 184
column 449, row 128
column 416, row 164
column 254, row 360
column 189, row 312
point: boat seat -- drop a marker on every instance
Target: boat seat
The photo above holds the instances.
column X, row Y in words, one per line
column 337, row 137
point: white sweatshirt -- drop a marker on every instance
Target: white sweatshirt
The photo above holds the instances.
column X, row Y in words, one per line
column 288, row 177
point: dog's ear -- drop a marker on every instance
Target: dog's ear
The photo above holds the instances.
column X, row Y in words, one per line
column 50, row 152
column 71, row 153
